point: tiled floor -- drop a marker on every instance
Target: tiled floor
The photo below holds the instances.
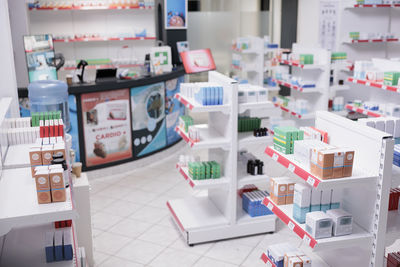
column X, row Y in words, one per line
column 132, row 225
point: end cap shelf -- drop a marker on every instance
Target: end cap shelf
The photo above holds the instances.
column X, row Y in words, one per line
column 195, row 107
column 202, row 184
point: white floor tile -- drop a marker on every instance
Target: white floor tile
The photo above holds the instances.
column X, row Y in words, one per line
column 118, row 262
column 161, row 235
column 173, row 258
column 150, row 214
column 140, row 196
column 167, row 221
column 140, row 251
column 104, row 221
column 97, row 187
column 99, row 202
column 254, row 259
column 115, row 191
column 156, row 186
column 199, row 249
column 129, row 228
column 229, row 252
column 208, row 262
column 160, row 201
column 99, row 257
column 109, row 243
column 122, row 208
column 96, row 232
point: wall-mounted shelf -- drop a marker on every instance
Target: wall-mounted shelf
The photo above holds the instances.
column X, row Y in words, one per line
column 376, row 6
column 363, row 111
column 102, row 39
column 375, row 84
column 91, row 7
column 301, row 66
column 372, row 41
column 297, row 115
column 297, row 88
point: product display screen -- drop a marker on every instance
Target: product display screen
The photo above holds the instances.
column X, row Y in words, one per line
column 39, row 52
column 198, row 61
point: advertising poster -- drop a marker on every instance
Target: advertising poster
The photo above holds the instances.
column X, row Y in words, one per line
column 173, row 109
column 328, row 23
column 39, row 52
column 198, row 61
column 106, row 123
column 148, row 118
column 176, row 14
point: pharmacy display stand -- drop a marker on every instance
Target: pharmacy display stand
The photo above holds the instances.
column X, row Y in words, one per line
column 365, row 194
column 219, row 215
column 24, row 222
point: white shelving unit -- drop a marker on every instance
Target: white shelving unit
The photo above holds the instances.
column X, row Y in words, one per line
column 219, row 214
column 365, row 194
column 319, row 72
column 24, row 222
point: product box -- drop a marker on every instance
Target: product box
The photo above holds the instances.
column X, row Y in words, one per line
column 67, row 244
column 58, row 245
column 279, row 191
column 290, row 191
column 306, row 261
column 49, row 246
column 324, row 166
column 56, row 178
column 318, row 224
column 58, row 194
column 348, row 162
column 43, row 187
column 315, row 202
column 47, row 154
column 301, row 202
column 35, row 156
column 325, row 200
column 338, row 163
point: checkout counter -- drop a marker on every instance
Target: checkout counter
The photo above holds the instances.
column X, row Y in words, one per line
column 124, row 120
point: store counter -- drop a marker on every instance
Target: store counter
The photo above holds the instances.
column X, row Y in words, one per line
column 123, row 120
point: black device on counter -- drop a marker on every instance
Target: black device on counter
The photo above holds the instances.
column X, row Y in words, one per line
column 82, row 64
column 106, row 75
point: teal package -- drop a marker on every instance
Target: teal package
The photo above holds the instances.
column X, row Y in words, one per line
column 335, row 206
column 325, row 207
column 315, row 208
column 299, row 214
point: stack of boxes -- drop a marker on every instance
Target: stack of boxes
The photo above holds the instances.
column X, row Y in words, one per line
column 247, row 124
column 307, row 199
column 252, row 203
column 391, row 78
column 204, row 170
column 50, row 180
column 312, row 133
column 354, row 35
column 205, row 94
column 338, row 56
column 58, row 246
column 282, row 190
column 251, row 94
column 286, row 255
column 306, row 59
column 19, row 131
column 284, row 138
column 394, row 197
column 43, row 116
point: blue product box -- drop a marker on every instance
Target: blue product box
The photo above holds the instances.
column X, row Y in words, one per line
column 334, row 206
column 325, row 207
column 50, row 257
column 68, row 253
column 273, row 46
column 299, row 214
column 49, row 246
column 208, row 95
column 315, row 208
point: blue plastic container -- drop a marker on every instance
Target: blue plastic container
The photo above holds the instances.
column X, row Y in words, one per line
column 50, row 95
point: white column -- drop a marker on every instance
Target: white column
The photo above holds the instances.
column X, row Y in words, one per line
column 8, row 84
column 308, row 22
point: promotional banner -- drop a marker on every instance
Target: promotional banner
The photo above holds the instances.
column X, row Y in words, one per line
column 176, row 14
column 198, row 61
column 106, row 123
column 173, row 109
column 148, row 118
column 39, row 52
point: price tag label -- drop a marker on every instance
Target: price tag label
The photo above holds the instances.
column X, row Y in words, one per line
column 354, row 81
column 270, row 206
column 398, row 90
column 275, row 157
column 310, row 180
column 368, row 84
column 269, row 264
column 307, row 240
column 291, row 225
column 384, row 87
column 119, row 7
column 291, row 167
column 365, row 112
column 121, row 39
column 86, row 40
